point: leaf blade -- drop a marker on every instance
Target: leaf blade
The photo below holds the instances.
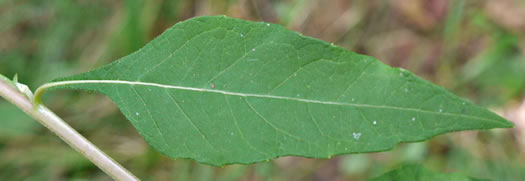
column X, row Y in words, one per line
column 245, row 92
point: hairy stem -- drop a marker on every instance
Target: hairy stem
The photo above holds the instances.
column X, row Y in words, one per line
column 64, row 131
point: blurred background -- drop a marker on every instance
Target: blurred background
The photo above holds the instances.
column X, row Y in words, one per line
column 474, row 48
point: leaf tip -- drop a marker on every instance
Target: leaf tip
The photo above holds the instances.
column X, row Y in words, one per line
column 507, row 124
column 501, row 122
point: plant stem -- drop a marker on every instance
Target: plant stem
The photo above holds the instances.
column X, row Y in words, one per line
column 65, row 132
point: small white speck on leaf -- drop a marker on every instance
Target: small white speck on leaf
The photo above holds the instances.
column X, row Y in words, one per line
column 440, row 110
column 267, row 24
column 253, row 49
column 356, row 135
column 413, row 118
column 137, row 113
column 375, row 122
column 242, row 35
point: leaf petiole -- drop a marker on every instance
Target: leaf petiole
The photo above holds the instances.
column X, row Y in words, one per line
column 21, row 96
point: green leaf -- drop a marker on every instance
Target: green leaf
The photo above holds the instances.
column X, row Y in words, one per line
column 417, row 172
column 221, row 91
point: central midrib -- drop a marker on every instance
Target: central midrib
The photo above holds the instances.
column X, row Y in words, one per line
column 63, row 83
